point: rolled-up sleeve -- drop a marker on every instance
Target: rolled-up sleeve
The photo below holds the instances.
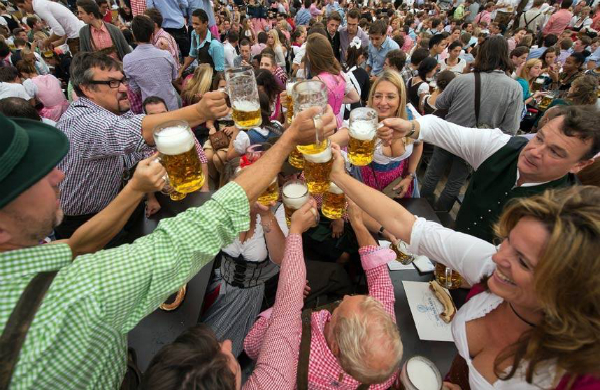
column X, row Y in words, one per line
column 131, row 281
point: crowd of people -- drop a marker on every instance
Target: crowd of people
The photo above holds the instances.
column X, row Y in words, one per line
column 488, row 110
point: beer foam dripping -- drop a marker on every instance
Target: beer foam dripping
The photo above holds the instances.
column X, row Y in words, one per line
column 295, row 195
column 174, row 140
column 362, row 130
column 321, row 157
column 246, row 105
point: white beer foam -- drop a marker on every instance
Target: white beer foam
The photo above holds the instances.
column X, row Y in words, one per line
column 321, row 157
column 421, row 375
column 363, row 130
column 288, row 89
column 335, row 189
column 246, row 105
column 174, row 140
column 295, row 195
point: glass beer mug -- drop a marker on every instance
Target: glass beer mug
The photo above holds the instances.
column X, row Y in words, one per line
column 419, row 373
column 317, row 167
column 294, row 194
column 362, row 131
column 243, row 95
column 447, row 277
column 334, row 202
column 289, row 87
column 307, row 94
column 271, row 194
column 175, row 142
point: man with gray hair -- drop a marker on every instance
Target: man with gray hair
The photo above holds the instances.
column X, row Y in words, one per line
column 354, row 343
column 106, row 137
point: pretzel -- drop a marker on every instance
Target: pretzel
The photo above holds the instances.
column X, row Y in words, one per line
column 445, row 299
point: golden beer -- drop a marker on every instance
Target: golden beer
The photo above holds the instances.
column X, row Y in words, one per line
column 402, row 255
column 334, row 202
column 271, row 194
column 295, row 159
column 246, row 114
column 312, row 148
column 546, row 101
column 290, row 102
column 362, row 131
column 294, row 195
column 317, row 167
column 538, row 84
column 175, row 141
column 447, row 277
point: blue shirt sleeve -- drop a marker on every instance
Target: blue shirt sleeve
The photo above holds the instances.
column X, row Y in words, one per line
column 218, row 55
column 525, row 87
column 194, row 45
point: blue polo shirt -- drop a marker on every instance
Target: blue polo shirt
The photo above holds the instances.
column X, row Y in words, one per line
column 377, row 56
column 215, row 50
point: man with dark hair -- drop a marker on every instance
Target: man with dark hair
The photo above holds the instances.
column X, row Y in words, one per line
column 149, row 70
column 394, row 60
column 412, row 67
column 437, row 45
column 560, row 20
column 229, row 48
column 64, row 25
column 174, row 13
column 154, row 105
column 36, row 29
column 10, row 84
column 500, row 109
column 508, row 167
column 19, row 33
column 261, row 43
column 19, row 107
column 303, row 15
column 350, row 31
column 204, row 46
column 162, row 39
column 105, row 10
column 549, row 41
column 97, row 35
column 104, row 131
column 380, row 45
column 245, row 57
column 333, row 24
column 571, row 70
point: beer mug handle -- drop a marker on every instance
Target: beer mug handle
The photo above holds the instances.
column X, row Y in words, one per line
column 448, row 275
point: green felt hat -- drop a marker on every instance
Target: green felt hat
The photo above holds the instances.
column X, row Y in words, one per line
column 29, row 150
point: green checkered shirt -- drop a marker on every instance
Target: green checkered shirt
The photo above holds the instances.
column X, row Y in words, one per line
column 78, row 338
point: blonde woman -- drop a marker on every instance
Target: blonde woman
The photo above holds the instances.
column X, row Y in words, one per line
column 527, row 75
column 274, row 43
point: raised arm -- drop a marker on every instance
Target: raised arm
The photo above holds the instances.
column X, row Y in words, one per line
column 473, row 145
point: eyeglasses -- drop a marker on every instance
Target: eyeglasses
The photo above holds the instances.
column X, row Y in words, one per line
column 110, row 83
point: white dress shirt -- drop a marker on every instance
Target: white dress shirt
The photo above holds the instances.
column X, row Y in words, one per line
column 60, row 19
column 471, row 144
column 230, row 54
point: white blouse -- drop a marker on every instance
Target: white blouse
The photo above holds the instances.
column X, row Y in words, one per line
column 255, row 248
column 472, row 258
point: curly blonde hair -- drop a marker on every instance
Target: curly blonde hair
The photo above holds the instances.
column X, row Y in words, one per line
column 566, row 283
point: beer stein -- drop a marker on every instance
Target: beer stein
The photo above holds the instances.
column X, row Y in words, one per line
column 317, row 167
column 419, row 373
column 307, row 94
column 447, row 277
column 175, row 142
column 243, row 95
column 334, row 202
column 271, row 194
column 362, row 130
column 401, row 252
column 547, row 100
column 289, row 86
column 294, row 194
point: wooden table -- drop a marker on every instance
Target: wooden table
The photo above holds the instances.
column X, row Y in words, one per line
column 161, row 327
column 439, row 352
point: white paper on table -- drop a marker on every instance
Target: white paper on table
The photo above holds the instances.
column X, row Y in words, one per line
column 394, row 265
column 426, row 309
